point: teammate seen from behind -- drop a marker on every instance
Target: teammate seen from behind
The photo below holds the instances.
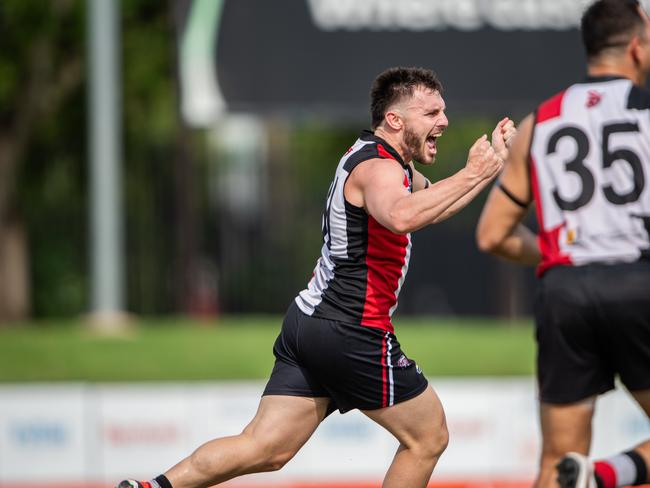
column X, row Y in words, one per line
column 337, row 348
column 584, row 158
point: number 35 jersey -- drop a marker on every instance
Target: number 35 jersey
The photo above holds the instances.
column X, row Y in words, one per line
column 590, row 173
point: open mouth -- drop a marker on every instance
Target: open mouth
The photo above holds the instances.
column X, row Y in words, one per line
column 432, row 143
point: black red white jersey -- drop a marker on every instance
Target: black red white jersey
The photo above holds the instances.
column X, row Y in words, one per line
column 362, row 266
column 590, row 173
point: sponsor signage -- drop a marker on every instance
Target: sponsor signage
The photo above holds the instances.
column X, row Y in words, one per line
column 43, row 433
column 100, row 434
column 319, row 57
column 142, row 430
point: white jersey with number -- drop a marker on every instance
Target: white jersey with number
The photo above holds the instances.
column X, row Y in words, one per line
column 590, row 173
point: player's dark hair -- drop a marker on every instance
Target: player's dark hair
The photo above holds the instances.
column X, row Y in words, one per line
column 610, row 23
column 395, row 84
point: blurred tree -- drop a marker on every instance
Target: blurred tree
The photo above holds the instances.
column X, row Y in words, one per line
column 43, row 155
column 163, row 191
column 41, row 65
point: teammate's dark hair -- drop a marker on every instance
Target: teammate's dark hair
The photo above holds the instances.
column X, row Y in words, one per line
column 396, row 83
column 610, row 23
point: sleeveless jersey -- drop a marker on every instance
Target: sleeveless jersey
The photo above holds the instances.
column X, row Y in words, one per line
column 590, row 173
column 362, row 265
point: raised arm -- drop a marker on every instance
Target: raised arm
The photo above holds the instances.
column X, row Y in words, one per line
column 502, row 138
column 378, row 186
column 499, row 230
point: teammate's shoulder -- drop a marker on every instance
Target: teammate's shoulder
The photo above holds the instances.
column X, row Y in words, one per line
column 638, row 98
column 551, row 107
column 623, row 90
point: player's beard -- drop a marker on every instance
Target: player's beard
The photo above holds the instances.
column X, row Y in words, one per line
column 414, row 145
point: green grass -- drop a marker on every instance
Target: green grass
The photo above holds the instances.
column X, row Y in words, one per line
column 240, row 348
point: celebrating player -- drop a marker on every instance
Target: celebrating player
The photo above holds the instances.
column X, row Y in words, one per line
column 584, row 158
column 337, row 348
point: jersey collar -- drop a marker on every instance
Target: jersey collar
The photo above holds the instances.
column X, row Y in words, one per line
column 602, row 78
column 368, row 135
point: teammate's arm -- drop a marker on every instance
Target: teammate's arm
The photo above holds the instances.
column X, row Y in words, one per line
column 499, row 230
column 377, row 185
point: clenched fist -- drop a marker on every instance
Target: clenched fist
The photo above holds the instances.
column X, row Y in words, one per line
column 502, row 137
column 483, row 161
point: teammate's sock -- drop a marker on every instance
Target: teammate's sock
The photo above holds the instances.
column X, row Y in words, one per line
column 626, row 469
column 160, row 481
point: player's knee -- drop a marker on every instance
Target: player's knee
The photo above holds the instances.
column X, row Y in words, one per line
column 440, row 441
column 434, row 444
column 201, row 463
column 273, row 454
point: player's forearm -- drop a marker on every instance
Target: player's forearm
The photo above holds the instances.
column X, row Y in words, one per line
column 427, row 206
column 519, row 246
column 462, row 202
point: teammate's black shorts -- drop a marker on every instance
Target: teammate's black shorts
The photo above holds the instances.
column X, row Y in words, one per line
column 593, row 323
column 357, row 367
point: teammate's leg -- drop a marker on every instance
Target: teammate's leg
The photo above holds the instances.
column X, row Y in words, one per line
column 628, row 468
column 565, row 428
column 419, row 425
column 279, row 429
column 628, row 326
column 643, row 449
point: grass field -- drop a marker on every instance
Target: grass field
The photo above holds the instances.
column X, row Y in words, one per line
column 240, row 348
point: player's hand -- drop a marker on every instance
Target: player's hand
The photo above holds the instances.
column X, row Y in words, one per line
column 502, row 137
column 483, row 162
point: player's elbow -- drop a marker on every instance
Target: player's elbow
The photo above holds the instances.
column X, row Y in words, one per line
column 401, row 228
column 400, row 223
column 397, row 221
column 487, row 240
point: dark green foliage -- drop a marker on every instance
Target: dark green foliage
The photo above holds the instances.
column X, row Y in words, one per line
column 42, row 115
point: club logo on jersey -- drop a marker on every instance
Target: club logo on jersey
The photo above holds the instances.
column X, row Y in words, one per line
column 593, row 98
column 403, row 362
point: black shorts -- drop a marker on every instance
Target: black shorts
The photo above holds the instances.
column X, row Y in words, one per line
column 355, row 366
column 593, row 323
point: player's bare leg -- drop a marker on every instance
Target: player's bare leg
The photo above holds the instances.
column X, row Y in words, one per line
column 622, row 469
column 419, row 425
column 565, row 428
column 280, row 428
